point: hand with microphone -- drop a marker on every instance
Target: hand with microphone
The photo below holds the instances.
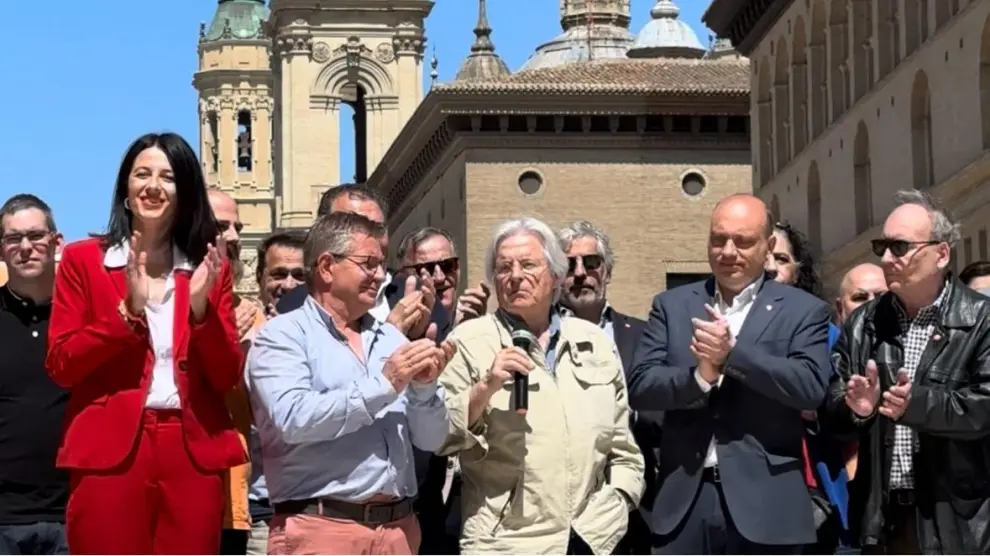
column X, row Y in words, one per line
column 512, row 363
column 522, row 339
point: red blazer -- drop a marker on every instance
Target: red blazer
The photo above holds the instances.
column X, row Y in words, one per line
column 108, row 365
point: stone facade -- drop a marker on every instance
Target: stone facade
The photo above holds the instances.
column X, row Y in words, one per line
column 855, row 99
column 478, row 154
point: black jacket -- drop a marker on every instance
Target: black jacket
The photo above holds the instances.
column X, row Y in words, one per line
column 949, row 408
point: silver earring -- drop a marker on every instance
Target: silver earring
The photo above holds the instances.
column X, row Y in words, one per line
column 127, row 204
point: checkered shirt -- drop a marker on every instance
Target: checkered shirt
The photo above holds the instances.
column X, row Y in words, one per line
column 915, row 334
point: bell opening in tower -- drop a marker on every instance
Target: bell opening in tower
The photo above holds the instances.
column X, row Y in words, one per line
column 244, row 141
column 354, row 133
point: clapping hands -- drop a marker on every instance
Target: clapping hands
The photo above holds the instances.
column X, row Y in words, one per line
column 711, row 343
column 205, row 277
column 863, row 393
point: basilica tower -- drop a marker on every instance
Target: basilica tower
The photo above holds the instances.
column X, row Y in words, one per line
column 235, row 117
column 367, row 54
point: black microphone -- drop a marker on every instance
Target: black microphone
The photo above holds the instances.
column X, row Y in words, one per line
column 521, row 339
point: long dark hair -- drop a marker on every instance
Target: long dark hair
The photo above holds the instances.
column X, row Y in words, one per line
column 194, row 226
column 807, row 274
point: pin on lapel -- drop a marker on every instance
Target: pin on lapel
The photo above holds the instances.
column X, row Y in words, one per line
column 769, row 307
column 936, row 337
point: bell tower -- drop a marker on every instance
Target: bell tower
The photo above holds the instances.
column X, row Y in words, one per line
column 236, row 105
column 363, row 55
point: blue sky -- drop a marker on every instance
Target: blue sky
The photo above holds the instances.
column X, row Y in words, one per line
column 82, row 79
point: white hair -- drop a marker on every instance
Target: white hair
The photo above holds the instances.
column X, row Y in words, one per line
column 944, row 228
column 554, row 255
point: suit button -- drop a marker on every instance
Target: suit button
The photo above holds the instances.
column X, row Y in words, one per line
column 183, row 366
column 697, row 455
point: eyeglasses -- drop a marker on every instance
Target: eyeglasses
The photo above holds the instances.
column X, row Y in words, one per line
column 448, row 266
column 589, row 262
column 366, row 263
column 897, row 247
column 35, row 237
column 529, row 267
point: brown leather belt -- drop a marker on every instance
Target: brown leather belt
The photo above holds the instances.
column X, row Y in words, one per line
column 372, row 513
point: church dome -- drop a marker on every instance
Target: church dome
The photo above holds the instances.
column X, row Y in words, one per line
column 237, row 19
column 592, row 30
column 666, row 36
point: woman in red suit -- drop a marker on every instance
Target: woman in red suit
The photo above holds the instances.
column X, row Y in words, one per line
column 142, row 332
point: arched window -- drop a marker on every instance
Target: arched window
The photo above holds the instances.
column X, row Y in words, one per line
column 862, row 180
column 819, row 70
column 921, row 132
column 782, row 105
column 799, row 88
column 863, row 70
column 765, row 110
column 838, row 39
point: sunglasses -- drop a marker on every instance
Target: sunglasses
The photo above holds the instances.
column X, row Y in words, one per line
column 447, row 266
column 589, row 262
column 897, row 247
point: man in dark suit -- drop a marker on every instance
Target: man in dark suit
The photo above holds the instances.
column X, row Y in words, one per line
column 732, row 361
column 590, row 261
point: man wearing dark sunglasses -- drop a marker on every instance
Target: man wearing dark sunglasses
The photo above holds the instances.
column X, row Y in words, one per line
column 590, row 261
column 912, row 370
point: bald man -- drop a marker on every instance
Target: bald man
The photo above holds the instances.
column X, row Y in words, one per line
column 732, row 361
column 861, row 284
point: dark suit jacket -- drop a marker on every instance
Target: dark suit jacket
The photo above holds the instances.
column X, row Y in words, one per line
column 779, row 366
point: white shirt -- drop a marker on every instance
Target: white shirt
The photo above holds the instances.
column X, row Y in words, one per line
column 162, row 393
column 381, row 309
column 736, row 315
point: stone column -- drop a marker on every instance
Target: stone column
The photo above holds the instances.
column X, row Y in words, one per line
column 293, row 55
column 227, row 144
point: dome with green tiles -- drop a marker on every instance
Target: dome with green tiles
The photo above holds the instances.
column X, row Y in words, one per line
column 237, row 19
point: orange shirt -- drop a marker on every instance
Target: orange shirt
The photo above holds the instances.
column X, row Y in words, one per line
column 236, row 514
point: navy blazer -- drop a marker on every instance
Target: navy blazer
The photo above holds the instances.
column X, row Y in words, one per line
column 779, row 366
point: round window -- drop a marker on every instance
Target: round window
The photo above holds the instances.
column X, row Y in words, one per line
column 530, row 182
column 692, row 184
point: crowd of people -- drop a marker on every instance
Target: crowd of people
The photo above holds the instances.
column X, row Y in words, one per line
column 353, row 408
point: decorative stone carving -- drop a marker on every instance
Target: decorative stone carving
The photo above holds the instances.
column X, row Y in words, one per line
column 294, row 44
column 353, row 49
column 384, row 53
column 321, row 52
column 409, row 44
column 226, row 103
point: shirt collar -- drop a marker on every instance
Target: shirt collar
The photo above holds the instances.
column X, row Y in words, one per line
column 745, row 297
column 606, row 316
column 368, row 322
column 116, row 257
column 925, row 311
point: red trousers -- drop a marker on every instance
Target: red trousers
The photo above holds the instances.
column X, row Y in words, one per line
column 156, row 502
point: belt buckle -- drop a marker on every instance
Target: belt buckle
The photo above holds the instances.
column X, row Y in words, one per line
column 904, row 497
column 374, row 513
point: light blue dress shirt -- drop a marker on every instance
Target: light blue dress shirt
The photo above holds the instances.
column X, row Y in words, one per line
column 330, row 425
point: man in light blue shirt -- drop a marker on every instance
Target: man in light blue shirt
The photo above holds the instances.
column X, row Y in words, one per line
column 340, row 398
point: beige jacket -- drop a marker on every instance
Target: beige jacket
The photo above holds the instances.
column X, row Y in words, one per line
column 528, row 480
